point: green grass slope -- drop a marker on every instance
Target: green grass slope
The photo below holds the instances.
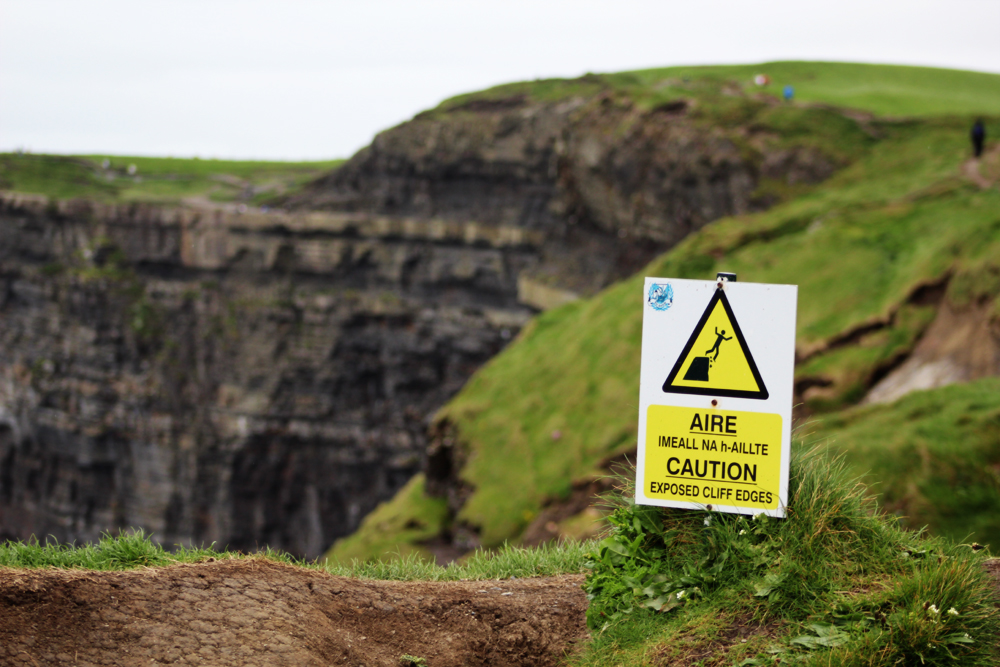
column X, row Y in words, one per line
column 885, row 90
column 932, row 458
column 155, row 179
column 899, row 217
column 832, row 584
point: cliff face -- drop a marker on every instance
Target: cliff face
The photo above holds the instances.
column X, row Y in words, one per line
column 608, row 184
column 242, row 379
column 267, row 378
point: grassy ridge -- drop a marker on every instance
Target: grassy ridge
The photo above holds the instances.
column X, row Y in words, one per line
column 126, row 551
column 154, row 179
column 886, row 90
column 130, row 550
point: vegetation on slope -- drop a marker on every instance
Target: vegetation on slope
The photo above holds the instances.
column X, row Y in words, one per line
column 561, row 400
column 885, row 90
column 126, row 551
column 396, row 528
column 154, row 179
column 832, row 584
column 130, row 550
column 932, row 458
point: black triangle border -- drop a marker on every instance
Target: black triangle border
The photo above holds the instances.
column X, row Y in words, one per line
column 762, row 394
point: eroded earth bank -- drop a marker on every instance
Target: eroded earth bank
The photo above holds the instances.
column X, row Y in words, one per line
column 257, row 612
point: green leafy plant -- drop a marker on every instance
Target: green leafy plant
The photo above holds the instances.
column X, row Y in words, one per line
column 836, row 582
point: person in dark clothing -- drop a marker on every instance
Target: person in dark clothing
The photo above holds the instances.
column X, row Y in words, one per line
column 978, row 135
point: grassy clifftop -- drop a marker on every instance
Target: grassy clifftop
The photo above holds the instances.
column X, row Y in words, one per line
column 885, row 90
column 155, row 179
column 865, row 247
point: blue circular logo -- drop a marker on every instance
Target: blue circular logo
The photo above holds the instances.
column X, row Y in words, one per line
column 661, row 296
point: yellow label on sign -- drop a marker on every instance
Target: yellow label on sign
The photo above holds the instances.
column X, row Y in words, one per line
column 713, row 457
column 716, row 360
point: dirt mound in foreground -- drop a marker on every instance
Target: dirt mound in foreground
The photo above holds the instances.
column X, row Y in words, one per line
column 255, row 612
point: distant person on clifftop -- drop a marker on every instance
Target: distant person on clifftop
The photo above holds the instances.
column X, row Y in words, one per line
column 978, row 135
column 788, row 92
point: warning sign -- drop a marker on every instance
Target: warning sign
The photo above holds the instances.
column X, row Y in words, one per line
column 715, row 395
column 700, row 371
column 717, row 456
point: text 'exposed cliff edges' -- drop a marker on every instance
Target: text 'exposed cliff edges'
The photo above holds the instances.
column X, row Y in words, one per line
column 720, row 456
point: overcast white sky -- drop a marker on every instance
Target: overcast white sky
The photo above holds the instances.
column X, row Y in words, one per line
column 302, row 79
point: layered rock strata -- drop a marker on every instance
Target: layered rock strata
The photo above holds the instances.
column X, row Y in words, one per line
column 267, row 378
column 608, row 185
column 248, row 380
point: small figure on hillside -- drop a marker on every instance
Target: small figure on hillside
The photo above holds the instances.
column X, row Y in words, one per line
column 788, row 92
column 978, row 135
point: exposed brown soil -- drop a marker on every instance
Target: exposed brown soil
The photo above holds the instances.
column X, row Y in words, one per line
column 713, row 651
column 257, row 612
column 974, row 169
column 993, row 569
column 959, row 346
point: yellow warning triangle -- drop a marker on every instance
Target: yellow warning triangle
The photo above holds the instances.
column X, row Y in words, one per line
column 716, row 360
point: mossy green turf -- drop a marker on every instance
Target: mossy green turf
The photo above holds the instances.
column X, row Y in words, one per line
column 124, row 551
column 156, row 180
column 129, row 550
column 932, row 457
column 834, row 583
column 886, row 90
column 899, row 216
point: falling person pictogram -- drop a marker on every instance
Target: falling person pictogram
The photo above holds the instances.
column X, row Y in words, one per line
column 718, row 341
column 698, row 371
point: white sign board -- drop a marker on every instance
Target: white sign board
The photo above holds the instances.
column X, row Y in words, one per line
column 715, row 395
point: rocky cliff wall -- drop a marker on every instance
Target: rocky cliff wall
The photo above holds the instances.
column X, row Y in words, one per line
column 267, row 377
column 244, row 379
column 606, row 182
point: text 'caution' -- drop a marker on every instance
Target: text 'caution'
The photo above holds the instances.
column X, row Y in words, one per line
column 713, row 456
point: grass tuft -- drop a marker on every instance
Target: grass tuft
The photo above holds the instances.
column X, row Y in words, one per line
column 503, row 563
column 134, row 549
column 836, row 582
